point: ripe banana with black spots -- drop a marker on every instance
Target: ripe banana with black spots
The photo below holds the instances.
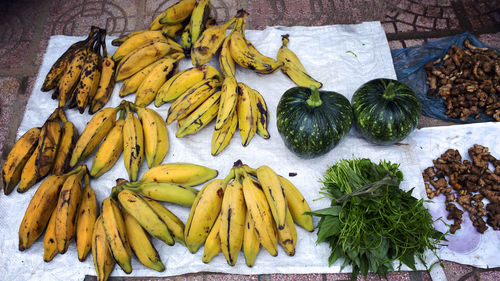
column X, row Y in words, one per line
column 203, row 214
column 212, row 243
column 109, row 151
column 133, row 145
column 271, row 185
column 71, row 76
column 247, row 113
column 293, row 68
column 208, row 43
column 17, row 159
column 136, row 41
column 184, row 80
column 69, row 137
column 28, row 175
column 297, row 205
column 200, row 117
column 49, row 239
column 48, row 143
column 287, row 237
column 180, row 173
column 262, row 115
column 174, row 224
column 186, row 40
column 222, row 136
column 172, row 30
column 226, row 62
column 86, row 217
column 156, row 141
column 116, row 234
column 165, row 191
column 145, row 215
column 251, row 244
column 178, row 12
column 131, row 84
column 101, row 252
column 199, row 18
column 229, row 99
column 106, row 82
column 89, row 80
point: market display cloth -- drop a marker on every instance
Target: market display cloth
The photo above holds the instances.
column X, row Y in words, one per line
column 342, row 56
column 409, row 64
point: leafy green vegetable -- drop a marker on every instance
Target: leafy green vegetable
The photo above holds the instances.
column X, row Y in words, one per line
column 371, row 222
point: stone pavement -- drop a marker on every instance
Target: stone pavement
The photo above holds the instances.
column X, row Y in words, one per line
column 26, row 26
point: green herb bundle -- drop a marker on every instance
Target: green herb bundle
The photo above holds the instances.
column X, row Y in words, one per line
column 371, row 222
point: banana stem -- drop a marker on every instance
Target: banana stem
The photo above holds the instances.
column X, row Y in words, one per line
column 122, row 114
column 285, row 40
column 115, row 191
column 229, row 177
column 133, row 107
column 103, row 42
column 86, row 179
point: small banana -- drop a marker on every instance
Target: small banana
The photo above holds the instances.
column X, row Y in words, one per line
column 133, row 145
column 226, row 62
column 191, row 99
column 48, row 143
column 155, row 136
column 172, row 30
column 180, row 173
column 29, row 175
column 200, row 117
column 106, row 82
column 232, row 221
column 71, row 76
column 109, row 151
column 131, row 84
column 251, row 244
column 49, row 239
column 101, row 252
column 199, row 17
column 69, row 137
column 271, row 185
column 17, row 159
column 229, row 99
column 165, row 191
column 203, row 214
column 184, row 80
column 116, row 234
column 212, row 243
column 222, row 136
column 119, row 41
column 139, row 242
column 145, row 215
column 178, row 12
column 136, row 41
column 186, row 40
column 155, row 24
column 86, row 217
column 174, row 224
column 89, row 80
column 208, row 43
column 287, row 237
column 293, row 68
column 247, row 113
column 297, row 205
column 262, row 115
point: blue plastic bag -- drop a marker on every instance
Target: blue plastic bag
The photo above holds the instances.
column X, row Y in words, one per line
column 409, row 64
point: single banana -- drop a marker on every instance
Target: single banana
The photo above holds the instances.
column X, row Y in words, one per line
column 271, row 185
column 251, row 244
column 86, row 217
column 226, row 62
column 69, row 137
column 148, row 89
column 232, row 225
column 156, row 141
column 97, row 128
column 191, row 99
column 109, row 151
column 229, row 99
column 199, row 17
column 71, row 76
column 261, row 215
column 119, row 41
column 174, row 224
column 106, row 82
column 116, row 234
column 136, row 41
column 180, row 173
column 293, row 68
column 208, row 43
column 186, row 40
column 131, row 84
column 203, row 214
column 247, row 113
column 155, row 24
column 17, row 159
column 212, row 243
column 200, row 117
column 49, row 239
column 262, row 115
column 133, row 145
column 139, row 242
column 101, row 252
column 89, row 80
column 287, row 237
column 222, row 136
column 165, row 191
column 29, row 175
column 172, row 30
column 178, row 12
column 48, row 143
column 297, row 205
column 145, row 215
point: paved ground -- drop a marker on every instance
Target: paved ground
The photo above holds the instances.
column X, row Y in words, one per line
column 26, row 26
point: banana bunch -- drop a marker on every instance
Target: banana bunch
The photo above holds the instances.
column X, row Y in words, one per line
column 249, row 208
column 82, row 76
column 39, row 152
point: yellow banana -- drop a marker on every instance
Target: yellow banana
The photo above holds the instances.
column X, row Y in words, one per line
column 17, row 159
column 212, row 243
column 39, row 210
column 142, row 57
column 186, row 40
column 148, row 89
column 155, row 135
column 119, row 41
column 89, row 81
column 116, row 234
column 293, row 68
column 271, row 185
column 47, row 144
column 172, row 30
column 136, row 41
column 69, row 137
column 203, row 214
column 133, row 145
column 145, row 215
column 222, row 137
column 49, row 239
column 29, row 175
column 251, row 244
column 155, row 24
column 297, row 205
column 166, row 192
column 106, row 82
column 262, row 115
column 178, row 12
column 247, row 113
column 200, row 117
column 71, row 76
column 199, row 17
column 131, row 84
column 180, row 173
column 287, row 237
column 184, row 80
column 109, row 151
column 232, row 221
column 86, row 217
column 229, row 99
column 208, row 43
column 261, row 215
column 139, row 242
column 191, row 99
column 97, row 128
column 174, row 224
column 226, row 62
column 101, row 252
column 66, row 210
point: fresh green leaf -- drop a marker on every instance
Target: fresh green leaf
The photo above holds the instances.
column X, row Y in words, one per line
column 329, row 227
column 330, row 211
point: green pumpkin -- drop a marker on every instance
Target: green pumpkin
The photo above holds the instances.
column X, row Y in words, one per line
column 385, row 110
column 312, row 122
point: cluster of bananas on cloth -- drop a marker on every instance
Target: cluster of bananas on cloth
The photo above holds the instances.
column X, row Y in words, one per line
column 82, row 76
column 249, row 208
column 134, row 136
column 39, row 152
column 65, row 210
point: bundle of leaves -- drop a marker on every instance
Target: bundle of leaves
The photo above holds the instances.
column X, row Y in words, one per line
column 371, row 222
